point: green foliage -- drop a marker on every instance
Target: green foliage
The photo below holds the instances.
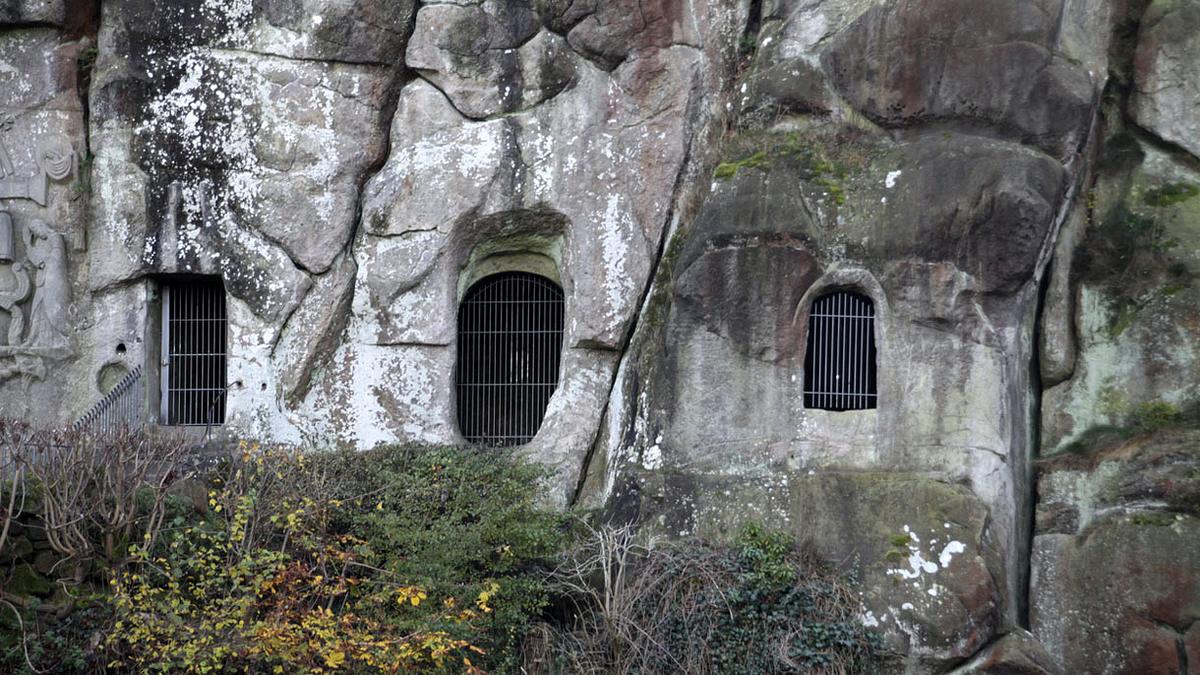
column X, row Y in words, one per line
column 434, row 560
column 757, row 606
column 1146, row 417
column 1170, row 194
column 758, row 160
column 410, row 559
column 59, row 645
column 184, row 606
column 1154, row 415
column 766, row 555
column 826, row 158
column 747, row 45
column 454, row 521
column 1122, row 318
column 1153, row 518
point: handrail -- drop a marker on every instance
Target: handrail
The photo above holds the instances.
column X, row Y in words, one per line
column 121, row 406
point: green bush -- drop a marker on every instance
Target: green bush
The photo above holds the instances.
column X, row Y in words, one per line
column 414, row 559
column 454, row 521
column 760, row 605
column 433, row 560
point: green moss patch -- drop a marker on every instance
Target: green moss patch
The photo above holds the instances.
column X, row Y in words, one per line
column 1170, row 194
column 758, row 160
column 826, row 157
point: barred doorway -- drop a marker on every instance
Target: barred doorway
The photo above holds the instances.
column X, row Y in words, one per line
column 510, row 333
column 194, row 359
column 839, row 365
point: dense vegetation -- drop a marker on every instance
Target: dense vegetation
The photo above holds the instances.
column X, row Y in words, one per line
column 118, row 557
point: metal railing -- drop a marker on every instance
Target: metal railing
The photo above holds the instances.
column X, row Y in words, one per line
column 123, row 406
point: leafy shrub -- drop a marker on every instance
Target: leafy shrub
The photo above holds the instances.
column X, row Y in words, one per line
column 395, row 559
column 758, row 606
column 456, row 522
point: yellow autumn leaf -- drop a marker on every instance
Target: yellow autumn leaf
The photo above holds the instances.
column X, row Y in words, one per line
column 335, row 659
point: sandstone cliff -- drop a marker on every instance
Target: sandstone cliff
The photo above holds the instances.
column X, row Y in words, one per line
column 1015, row 185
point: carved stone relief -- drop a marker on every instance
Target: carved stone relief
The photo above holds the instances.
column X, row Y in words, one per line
column 55, row 161
column 35, row 291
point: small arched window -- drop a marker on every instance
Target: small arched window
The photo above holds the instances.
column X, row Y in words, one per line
column 510, row 333
column 839, row 366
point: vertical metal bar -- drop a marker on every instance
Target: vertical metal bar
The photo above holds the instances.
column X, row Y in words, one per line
column 185, row 363
column 831, row 337
column 521, row 392
column 825, row 365
column 815, row 328
column 204, row 348
column 872, row 345
column 825, row 353
column 851, row 351
column 164, row 356
column 820, row 354
column 847, row 348
column 180, row 348
column 221, row 377
column 493, row 340
column 189, row 361
column 864, row 326
column 858, row 346
column 512, row 429
column 841, row 351
column 209, row 329
column 839, row 344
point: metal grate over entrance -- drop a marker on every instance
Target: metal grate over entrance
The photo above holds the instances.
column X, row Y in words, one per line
column 510, row 333
column 839, row 367
column 194, row 358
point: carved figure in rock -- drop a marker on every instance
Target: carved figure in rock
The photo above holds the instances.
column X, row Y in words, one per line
column 48, row 316
column 11, row 297
column 55, row 161
column 7, row 253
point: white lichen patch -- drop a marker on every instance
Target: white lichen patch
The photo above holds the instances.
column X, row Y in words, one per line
column 925, row 562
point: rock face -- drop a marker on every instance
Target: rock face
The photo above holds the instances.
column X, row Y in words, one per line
column 1017, row 653
column 1166, row 74
column 941, row 206
column 923, row 548
column 1116, row 556
column 1015, row 187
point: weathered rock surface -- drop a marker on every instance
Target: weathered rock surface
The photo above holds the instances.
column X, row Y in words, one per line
column 1017, row 653
column 946, row 223
column 991, row 67
column 32, row 12
column 1167, row 73
column 350, row 167
column 1116, row 556
column 350, row 31
column 499, row 151
column 1133, row 301
column 922, row 549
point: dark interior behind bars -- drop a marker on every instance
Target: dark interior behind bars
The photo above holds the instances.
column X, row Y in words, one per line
column 510, row 333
